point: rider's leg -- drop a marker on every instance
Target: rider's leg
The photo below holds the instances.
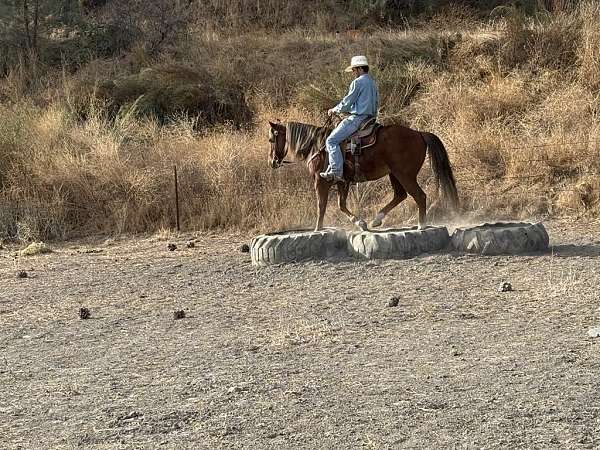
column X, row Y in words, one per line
column 336, row 159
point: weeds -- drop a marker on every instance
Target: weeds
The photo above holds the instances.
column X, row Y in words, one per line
column 493, row 92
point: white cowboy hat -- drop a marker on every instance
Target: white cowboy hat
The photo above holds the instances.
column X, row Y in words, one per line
column 357, row 61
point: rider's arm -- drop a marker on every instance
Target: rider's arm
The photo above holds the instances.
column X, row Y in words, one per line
column 346, row 104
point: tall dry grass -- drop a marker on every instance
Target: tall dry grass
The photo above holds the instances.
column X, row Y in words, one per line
column 515, row 100
column 65, row 177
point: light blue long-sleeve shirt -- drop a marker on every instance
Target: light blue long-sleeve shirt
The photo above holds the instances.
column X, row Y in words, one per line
column 362, row 97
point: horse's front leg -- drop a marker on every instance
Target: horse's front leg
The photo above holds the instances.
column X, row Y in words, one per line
column 322, row 190
column 343, row 189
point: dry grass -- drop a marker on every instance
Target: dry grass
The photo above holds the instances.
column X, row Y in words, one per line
column 493, row 93
column 589, row 48
column 118, row 176
column 35, row 248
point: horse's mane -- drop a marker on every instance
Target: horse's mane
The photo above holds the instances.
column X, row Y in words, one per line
column 304, row 139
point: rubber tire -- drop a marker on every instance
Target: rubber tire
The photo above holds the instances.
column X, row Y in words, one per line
column 501, row 238
column 400, row 243
column 297, row 245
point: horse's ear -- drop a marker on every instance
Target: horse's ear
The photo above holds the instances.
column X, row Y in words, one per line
column 272, row 124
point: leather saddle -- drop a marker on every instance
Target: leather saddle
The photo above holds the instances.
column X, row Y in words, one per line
column 352, row 148
column 364, row 137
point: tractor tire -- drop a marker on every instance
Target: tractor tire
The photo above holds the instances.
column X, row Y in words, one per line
column 501, row 238
column 400, row 243
column 297, row 245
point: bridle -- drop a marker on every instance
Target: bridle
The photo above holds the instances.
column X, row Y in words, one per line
column 280, row 161
column 277, row 161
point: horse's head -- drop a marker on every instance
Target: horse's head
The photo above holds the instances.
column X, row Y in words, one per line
column 278, row 147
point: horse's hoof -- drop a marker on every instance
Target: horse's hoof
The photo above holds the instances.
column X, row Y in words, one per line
column 378, row 220
column 362, row 224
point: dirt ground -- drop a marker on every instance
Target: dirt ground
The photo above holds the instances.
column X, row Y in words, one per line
column 305, row 355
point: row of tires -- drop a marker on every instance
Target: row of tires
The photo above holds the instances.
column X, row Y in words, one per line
column 485, row 239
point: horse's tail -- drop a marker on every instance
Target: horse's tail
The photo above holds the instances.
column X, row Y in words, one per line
column 440, row 164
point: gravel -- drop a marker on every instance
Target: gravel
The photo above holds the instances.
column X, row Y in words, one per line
column 300, row 355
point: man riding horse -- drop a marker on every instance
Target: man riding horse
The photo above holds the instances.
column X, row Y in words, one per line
column 396, row 151
column 361, row 102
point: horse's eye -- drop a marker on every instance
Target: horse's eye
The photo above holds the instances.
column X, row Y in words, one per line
column 275, row 133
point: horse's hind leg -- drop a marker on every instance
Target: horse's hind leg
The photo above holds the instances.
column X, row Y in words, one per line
column 343, row 189
column 415, row 191
column 399, row 196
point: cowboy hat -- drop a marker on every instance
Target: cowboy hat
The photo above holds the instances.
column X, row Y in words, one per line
column 357, row 61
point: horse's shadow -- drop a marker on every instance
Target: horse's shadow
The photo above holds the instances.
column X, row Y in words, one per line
column 570, row 250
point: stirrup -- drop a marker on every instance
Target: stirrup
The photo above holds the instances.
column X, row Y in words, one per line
column 328, row 176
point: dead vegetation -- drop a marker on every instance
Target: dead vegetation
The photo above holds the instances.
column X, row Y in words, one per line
column 514, row 97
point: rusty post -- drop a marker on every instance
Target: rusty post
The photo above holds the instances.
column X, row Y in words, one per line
column 176, row 197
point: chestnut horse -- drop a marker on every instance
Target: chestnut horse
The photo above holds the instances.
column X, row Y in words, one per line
column 399, row 153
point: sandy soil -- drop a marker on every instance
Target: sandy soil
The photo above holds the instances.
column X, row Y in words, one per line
column 302, row 355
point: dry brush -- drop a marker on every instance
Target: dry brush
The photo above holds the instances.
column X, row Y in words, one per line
column 514, row 99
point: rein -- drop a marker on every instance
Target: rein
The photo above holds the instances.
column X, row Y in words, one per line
column 315, row 154
column 328, row 124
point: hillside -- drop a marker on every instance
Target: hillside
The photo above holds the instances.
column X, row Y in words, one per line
column 100, row 109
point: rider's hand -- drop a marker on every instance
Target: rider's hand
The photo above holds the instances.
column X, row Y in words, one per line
column 331, row 112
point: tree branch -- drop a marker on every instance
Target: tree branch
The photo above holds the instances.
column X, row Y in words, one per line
column 26, row 22
column 36, row 10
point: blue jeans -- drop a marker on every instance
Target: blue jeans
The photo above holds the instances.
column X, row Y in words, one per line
column 343, row 131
